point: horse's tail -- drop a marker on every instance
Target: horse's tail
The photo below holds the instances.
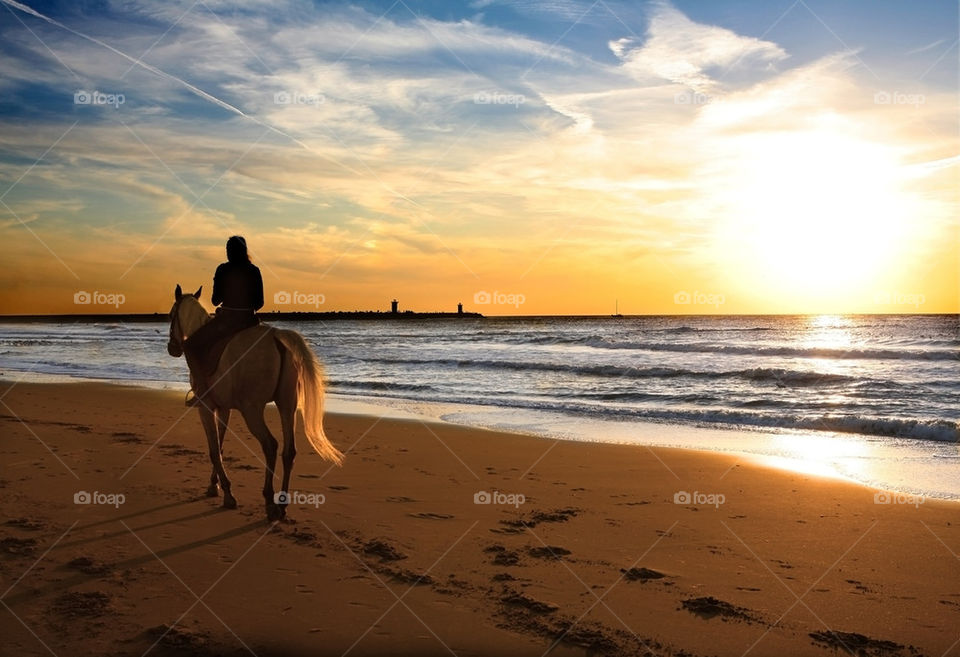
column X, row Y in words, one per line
column 309, row 393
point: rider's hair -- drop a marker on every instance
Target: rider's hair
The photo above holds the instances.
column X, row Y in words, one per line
column 237, row 249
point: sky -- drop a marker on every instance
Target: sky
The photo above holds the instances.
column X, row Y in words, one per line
column 520, row 157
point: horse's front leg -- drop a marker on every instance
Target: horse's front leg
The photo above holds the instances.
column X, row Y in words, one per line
column 223, row 417
column 211, row 427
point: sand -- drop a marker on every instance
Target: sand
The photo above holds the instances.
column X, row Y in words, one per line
column 596, row 557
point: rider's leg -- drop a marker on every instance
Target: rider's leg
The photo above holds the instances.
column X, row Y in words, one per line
column 195, row 349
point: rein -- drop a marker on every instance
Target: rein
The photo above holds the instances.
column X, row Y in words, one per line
column 175, row 344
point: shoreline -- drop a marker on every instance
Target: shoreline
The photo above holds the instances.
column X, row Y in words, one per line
column 862, row 459
column 161, row 316
column 712, row 573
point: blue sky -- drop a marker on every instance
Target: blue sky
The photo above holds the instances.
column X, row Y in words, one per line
column 447, row 147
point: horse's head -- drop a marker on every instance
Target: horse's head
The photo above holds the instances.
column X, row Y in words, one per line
column 179, row 327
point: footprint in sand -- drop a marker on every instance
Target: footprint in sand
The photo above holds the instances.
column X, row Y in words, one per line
column 86, row 604
column 552, row 552
column 537, row 517
column 88, row 566
column 503, row 556
column 303, row 537
column 178, row 639
column 858, row 586
column 18, row 547
column 409, row 577
column 512, row 598
column 641, row 574
column 431, row 516
column 710, row 607
column 383, row 550
column 858, row 644
column 25, row 523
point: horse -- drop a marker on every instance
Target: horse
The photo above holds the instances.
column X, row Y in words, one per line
column 259, row 365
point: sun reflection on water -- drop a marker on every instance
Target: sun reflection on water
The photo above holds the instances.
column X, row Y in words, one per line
column 825, row 456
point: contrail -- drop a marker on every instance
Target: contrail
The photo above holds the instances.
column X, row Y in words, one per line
column 201, row 93
column 153, row 69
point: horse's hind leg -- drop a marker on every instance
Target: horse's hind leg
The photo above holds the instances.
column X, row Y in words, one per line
column 223, row 417
column 287, row 419
column 286, row 400
column 258, row 427
column 211, row 428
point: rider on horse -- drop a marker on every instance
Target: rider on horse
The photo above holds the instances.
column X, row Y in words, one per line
column 238, row 291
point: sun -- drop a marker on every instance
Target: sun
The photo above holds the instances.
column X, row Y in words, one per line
column 816, row 212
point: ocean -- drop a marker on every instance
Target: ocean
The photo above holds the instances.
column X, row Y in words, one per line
column 875, row 395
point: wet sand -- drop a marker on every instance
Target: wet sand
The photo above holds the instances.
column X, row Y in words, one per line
column 582, row 550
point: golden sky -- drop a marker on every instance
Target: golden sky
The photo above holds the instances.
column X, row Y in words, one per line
column 671, row 158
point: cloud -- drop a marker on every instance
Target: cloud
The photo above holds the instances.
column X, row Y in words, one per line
column 682, row 51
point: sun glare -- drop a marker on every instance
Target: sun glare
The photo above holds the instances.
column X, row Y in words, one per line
column 823, row 456
column 814, row 212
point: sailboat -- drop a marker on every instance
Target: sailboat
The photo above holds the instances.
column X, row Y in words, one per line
column 616, row 312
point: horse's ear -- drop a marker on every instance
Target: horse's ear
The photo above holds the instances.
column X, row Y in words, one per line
column 197, row 293
column 177, row 293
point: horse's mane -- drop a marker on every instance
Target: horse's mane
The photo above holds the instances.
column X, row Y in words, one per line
column 194, row 315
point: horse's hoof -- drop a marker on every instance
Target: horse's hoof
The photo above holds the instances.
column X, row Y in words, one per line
column 229, row 502
column 213, row 491
column 275, row 512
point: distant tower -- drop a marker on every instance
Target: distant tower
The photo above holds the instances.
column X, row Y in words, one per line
column 393, row 306
column 459, row 308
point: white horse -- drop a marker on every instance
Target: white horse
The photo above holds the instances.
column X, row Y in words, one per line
column 260, row 365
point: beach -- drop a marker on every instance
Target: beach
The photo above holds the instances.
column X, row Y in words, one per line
column 437, row 539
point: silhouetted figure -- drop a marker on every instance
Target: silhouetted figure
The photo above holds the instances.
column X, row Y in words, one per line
column 238, row 293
